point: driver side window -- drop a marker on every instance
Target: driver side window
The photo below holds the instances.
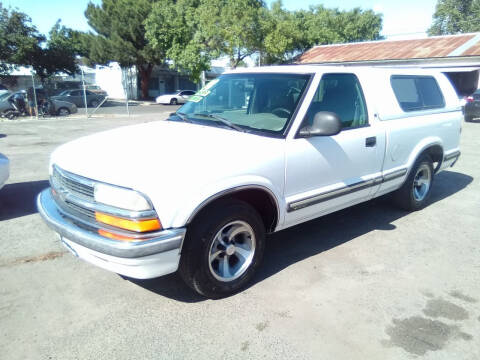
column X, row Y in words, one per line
column 341, row 94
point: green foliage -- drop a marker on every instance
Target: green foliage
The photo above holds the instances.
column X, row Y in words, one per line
column 455, row 16
column 171, row 29
column 120, row 36
column 22, row 45
column 231, row 27
column 20, row 42
column 290, row 33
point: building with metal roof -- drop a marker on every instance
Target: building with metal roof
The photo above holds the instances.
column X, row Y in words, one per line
column 456, row 55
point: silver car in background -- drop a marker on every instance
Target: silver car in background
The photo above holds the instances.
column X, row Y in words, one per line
column 77, row 97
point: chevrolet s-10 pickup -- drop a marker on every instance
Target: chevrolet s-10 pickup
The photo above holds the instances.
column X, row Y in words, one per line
column 255, row 151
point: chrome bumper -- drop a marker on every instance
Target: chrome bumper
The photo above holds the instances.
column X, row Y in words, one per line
column 164, row 241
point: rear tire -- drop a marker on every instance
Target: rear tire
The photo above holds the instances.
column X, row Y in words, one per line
column 173, row 101
column 223, row 249
column 415, row 192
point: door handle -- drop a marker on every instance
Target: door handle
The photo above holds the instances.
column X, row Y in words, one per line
column 371, row 141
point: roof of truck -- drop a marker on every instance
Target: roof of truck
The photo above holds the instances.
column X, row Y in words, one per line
column 311, row 68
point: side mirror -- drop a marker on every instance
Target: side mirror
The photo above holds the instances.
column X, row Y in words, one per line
column 325, row 123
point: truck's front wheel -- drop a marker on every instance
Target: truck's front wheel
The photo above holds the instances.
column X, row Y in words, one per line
column 223, row 248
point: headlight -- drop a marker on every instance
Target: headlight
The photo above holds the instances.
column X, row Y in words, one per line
column 120, row 198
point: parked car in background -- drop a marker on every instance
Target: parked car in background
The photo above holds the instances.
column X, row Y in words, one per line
column 4, row 170
column 62, row 108
column 96, row 90
column 76, row 97
column 178, row 97
column 472, row 106
column 58, row 107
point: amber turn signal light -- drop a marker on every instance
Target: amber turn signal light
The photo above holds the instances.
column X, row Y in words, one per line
column 132, row 225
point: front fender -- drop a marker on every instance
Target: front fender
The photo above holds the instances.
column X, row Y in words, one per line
column 188, row 209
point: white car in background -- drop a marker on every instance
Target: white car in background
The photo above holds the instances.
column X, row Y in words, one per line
column 178, row 97
column 4, row 170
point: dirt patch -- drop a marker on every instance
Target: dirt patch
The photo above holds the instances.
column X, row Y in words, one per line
column 261, row 326
column 417, row 335
column 459, row 295
column 32, row 259
column 441, row 308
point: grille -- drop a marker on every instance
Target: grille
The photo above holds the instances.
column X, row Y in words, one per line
column 63, row 182
column 78, row 210
column 70, row 192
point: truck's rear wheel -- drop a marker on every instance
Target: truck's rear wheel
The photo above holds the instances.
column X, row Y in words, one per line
column 223, row 248
column 414, row 193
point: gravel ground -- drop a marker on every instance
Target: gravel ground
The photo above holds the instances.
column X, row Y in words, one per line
column 369, row 282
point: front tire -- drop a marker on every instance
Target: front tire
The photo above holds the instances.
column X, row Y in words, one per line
column 415, row 192
column 223, row 249
column 173, row 101
column 63, row 112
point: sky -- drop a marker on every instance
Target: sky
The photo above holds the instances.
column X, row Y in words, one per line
column 401, row 19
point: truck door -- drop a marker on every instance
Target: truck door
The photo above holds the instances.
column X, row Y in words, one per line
column 327, row 173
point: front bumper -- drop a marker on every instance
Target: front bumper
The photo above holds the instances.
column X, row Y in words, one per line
column 142, row 259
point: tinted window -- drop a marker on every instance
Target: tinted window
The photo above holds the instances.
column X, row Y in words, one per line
column 417, row 92
column 188, row 92
column 259, row 102
column 341, row 94
column 76, row 93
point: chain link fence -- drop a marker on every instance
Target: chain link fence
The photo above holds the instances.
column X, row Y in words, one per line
column 93, row 93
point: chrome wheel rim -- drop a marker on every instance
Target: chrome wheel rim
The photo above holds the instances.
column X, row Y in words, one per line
column 232, row 250
column 421, row 182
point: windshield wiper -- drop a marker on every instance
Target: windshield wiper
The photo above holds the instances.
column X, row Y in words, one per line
column 182, row 116
column 222, row 120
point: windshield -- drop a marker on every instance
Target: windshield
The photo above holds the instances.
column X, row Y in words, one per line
column 256, row 102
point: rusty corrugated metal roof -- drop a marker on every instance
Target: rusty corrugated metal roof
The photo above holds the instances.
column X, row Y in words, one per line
column 433, row 47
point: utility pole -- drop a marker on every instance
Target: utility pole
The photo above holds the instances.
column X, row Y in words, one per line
column 34, row 95
column 84, row 93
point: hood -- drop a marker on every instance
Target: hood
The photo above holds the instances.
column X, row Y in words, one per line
column 172, row 160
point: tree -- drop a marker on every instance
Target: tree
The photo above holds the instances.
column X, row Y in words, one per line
column 20, row 42
column 59, row 54
column 22, row 45
column 171, row 29
column 230, row 27
column 120, row 36
column 455, row 16
column 287, row 34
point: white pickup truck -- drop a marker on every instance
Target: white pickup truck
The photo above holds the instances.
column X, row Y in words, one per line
column 254, row 152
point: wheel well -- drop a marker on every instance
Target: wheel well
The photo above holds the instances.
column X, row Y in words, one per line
column 261, row 200
column 436, row 153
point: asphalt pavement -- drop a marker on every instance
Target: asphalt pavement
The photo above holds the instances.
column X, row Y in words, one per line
column 368, row 282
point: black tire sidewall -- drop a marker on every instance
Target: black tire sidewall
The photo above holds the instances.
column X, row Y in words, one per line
column 173, row 102
column 198, row 244
column 59, row 112
column 416, row 204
